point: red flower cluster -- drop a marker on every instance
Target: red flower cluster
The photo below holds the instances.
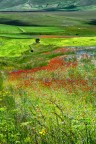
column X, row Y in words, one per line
column 54, row 64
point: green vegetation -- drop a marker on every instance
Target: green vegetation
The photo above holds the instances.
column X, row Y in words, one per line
column 47, row 78
column 26, row 25
column 49, row 106
column 15, row 47
column 30, row 32
column 16, row 53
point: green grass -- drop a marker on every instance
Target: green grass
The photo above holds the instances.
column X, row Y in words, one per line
column 32, row 110
column 41, row 29
column 46, row 107
column 38, row 19
column 29, row 31
column 14, row 47
column 25, row 25
column 35, row 113
column 47, row 18
column 79, row 41
column 16, row 54
column 7, row 29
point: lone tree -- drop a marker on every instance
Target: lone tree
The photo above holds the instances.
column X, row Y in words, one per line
column 37, row 40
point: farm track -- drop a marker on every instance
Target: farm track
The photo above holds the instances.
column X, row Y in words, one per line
column 57, row 36
column 35, row 36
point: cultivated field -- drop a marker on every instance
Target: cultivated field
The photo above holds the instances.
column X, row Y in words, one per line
column 27, row 24
column 47, row 78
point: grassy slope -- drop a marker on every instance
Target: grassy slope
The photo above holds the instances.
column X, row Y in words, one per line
column 16, row 54
column 14, row 47
column 46, row 18
column 22, row 25
column 29, row 32
column 37, row 19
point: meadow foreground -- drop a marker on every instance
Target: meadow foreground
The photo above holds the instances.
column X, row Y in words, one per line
column 48, row 91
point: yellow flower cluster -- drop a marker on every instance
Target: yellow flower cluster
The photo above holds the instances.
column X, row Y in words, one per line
column 4, row 93
column 42, row 132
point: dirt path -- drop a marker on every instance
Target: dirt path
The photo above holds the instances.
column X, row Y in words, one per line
column 56, row 36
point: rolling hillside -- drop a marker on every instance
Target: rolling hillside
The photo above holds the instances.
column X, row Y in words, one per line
column 23, row 5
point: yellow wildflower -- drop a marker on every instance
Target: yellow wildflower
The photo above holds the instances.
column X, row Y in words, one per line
column 42, row 132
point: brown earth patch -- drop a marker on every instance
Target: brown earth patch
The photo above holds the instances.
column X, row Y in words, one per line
column 56, row 36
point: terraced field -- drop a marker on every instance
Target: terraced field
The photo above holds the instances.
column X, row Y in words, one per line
column 25, row 25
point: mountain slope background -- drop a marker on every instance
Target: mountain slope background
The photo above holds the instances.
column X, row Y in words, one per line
column 28, row 5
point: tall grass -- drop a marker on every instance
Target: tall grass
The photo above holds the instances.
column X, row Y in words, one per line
column 39, row 114
column 22, row 121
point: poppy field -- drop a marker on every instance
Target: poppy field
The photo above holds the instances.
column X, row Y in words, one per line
column 48, row 90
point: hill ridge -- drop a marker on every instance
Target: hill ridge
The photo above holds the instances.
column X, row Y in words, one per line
column 27, row 5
